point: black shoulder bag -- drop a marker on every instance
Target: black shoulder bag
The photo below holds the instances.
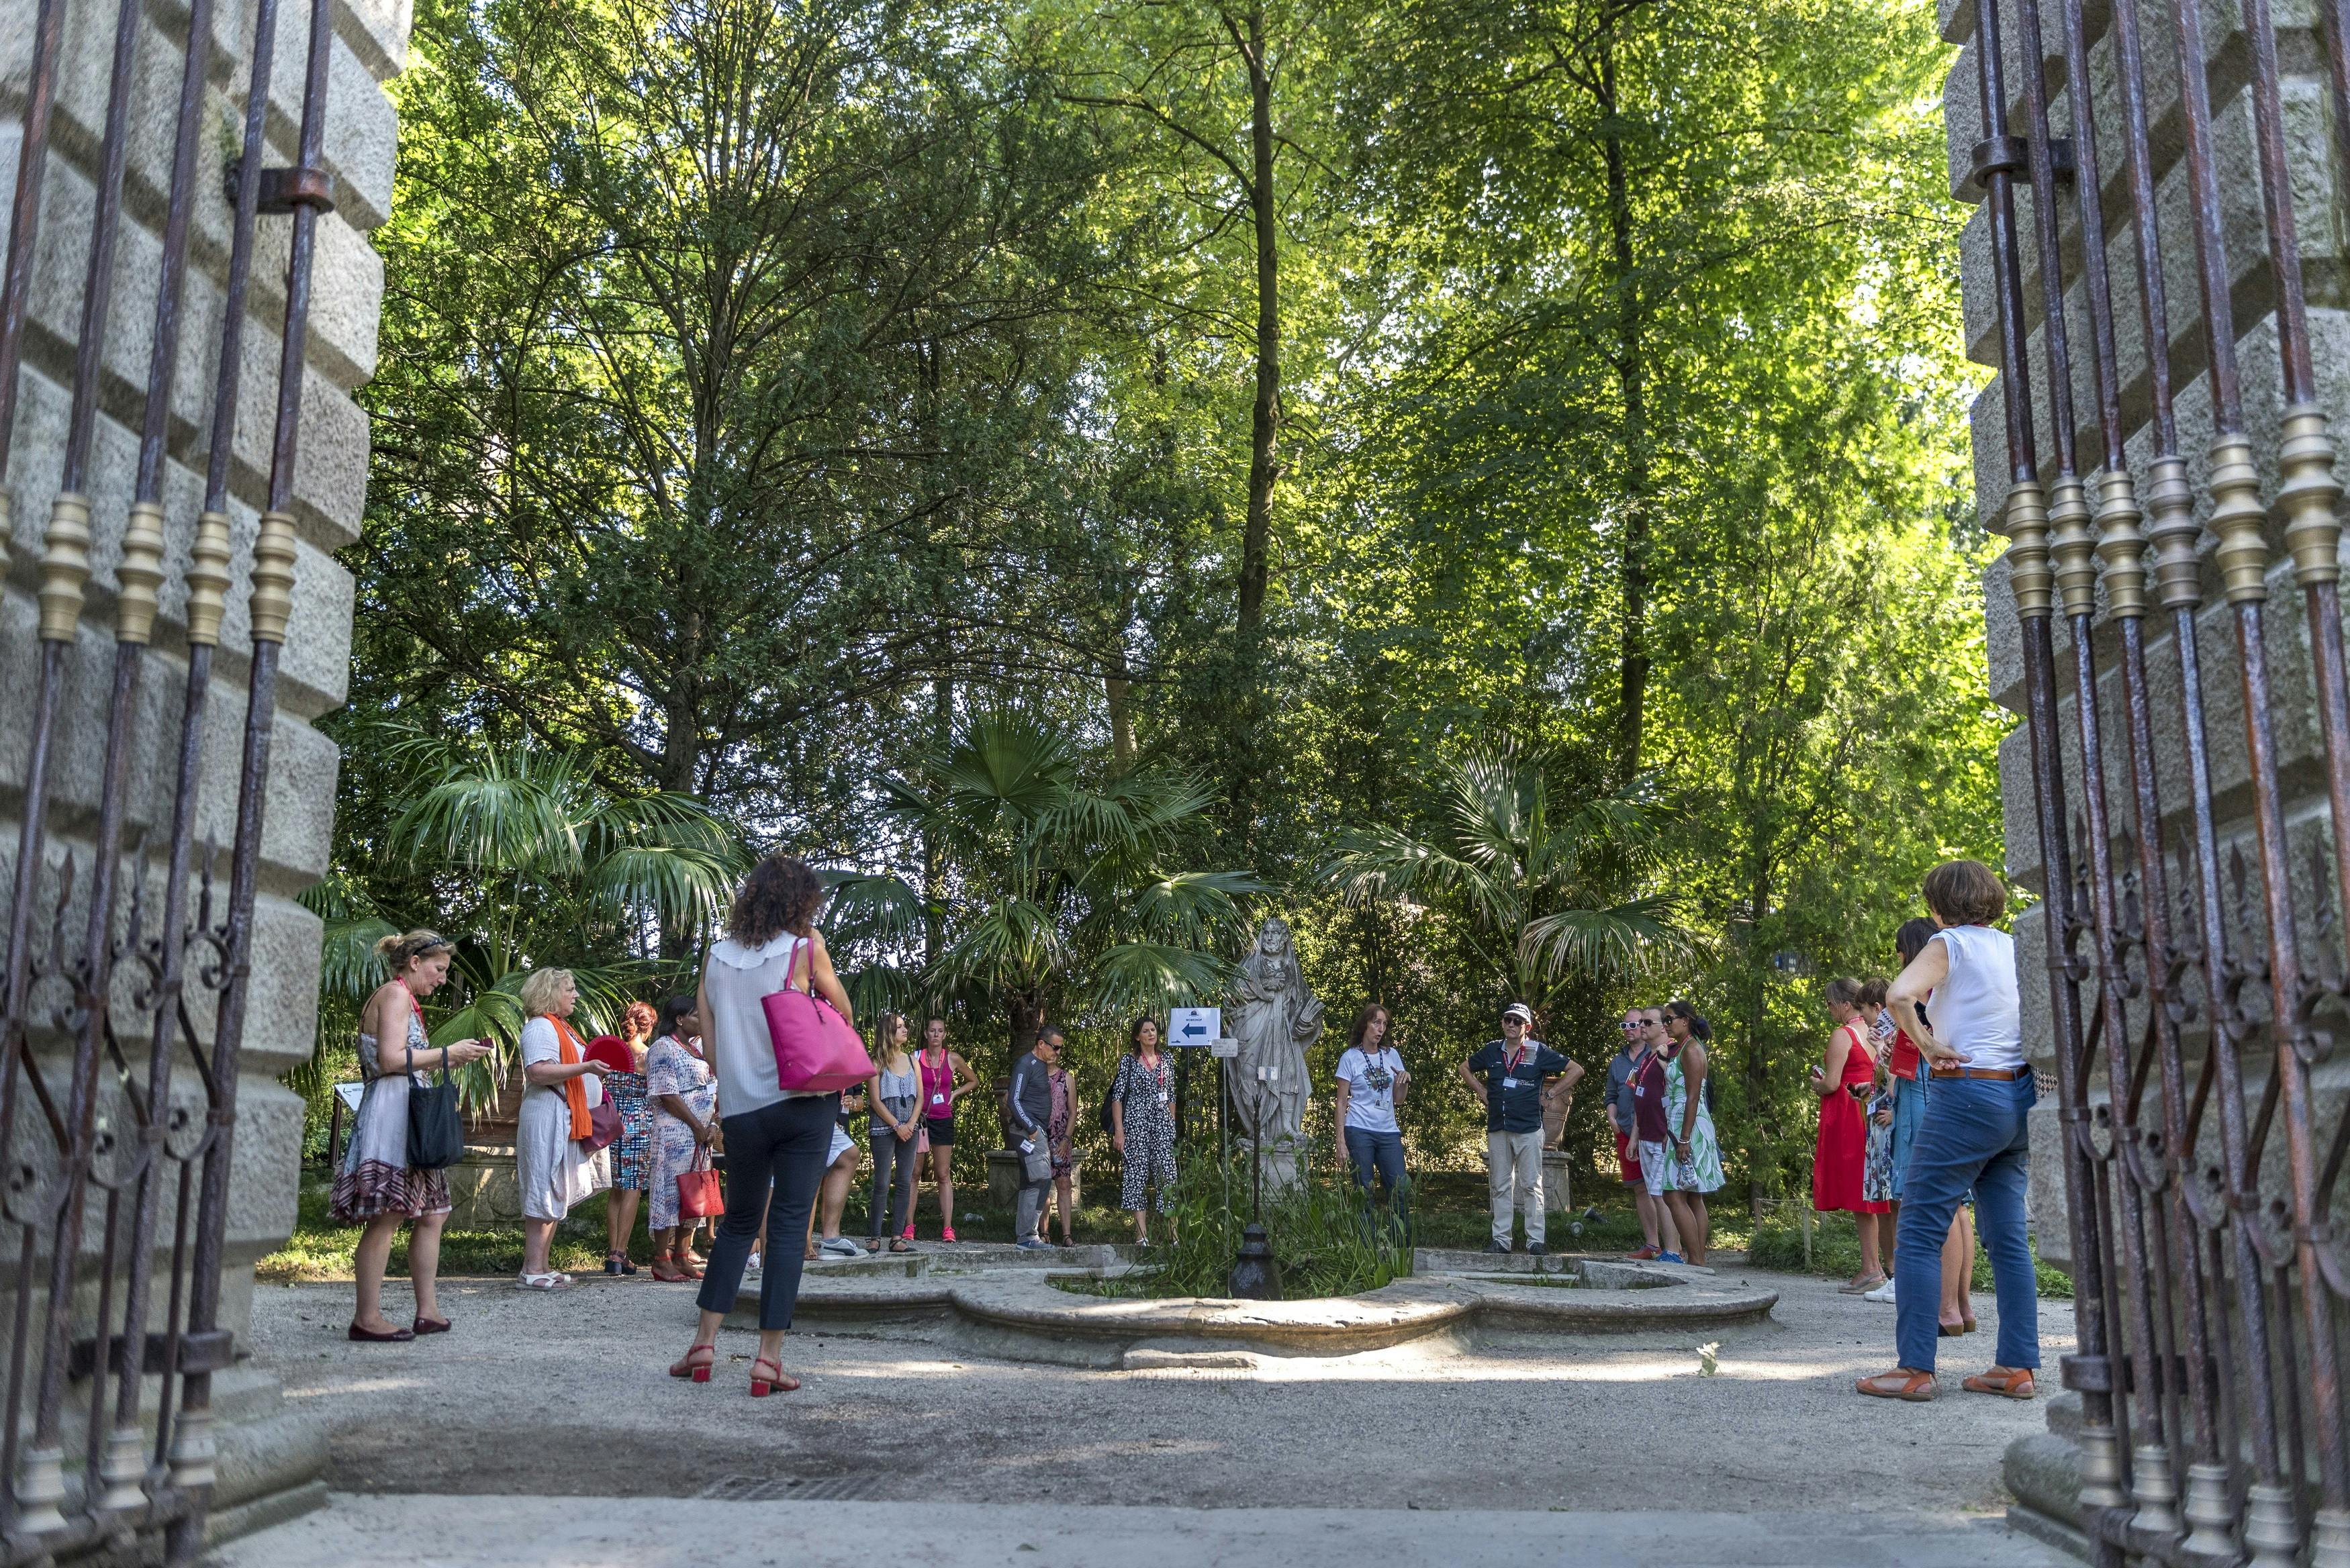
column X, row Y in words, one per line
column 436, row 1137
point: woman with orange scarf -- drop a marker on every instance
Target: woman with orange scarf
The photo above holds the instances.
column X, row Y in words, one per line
column 560, row 1085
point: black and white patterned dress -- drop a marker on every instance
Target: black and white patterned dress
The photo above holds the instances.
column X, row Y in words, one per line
column 1150, row 1130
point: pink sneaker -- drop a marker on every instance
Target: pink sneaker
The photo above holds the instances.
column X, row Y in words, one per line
column 947, row 1234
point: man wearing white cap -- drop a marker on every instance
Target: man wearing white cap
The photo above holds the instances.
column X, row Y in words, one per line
column 1510, row 1074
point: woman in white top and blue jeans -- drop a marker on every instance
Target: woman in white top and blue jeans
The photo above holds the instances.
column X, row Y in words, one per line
column 1958, row 1000
column 773, row 1137
column 1371, row 1082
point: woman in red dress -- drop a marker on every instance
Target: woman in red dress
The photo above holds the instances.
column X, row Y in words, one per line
column 1846, row 1072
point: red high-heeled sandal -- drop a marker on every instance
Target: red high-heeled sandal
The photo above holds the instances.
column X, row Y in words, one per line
column 697, row 1370
column 763, row 1386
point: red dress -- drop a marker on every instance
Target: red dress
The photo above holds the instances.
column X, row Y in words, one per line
column 1842, row 1147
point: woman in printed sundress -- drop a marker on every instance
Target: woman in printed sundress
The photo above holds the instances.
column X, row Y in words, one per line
column 1142, row 1130
column 631, row 1153
column 377, row 1187
column 1695, row 1166
column 684, row 1100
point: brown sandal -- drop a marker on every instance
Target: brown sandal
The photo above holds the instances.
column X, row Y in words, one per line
column 1901, row 1383
column 2007, row 1382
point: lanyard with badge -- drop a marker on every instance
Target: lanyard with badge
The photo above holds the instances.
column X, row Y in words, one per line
column 1511, row 1063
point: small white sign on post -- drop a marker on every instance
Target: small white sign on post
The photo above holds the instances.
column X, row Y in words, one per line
column 1194, row 1026
column 1223, row 1047
column 352, row 1094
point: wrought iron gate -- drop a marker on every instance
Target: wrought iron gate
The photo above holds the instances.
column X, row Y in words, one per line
column 2191, row 980
column 126, row 963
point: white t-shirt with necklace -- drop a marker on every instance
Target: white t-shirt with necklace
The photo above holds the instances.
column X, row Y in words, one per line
column 1371, row 1077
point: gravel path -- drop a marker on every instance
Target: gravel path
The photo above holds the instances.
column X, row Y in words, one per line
column 566, row 1395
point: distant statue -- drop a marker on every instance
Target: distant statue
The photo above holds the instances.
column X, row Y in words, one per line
column 1274, row 1019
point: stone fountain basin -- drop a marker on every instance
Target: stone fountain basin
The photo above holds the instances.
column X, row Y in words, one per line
column 1013, row 1308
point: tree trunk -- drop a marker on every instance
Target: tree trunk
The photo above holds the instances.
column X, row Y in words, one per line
column 1121, row 714
column 1631, row 369
column 1265, row 417
column 1758, row 1077
column 934, row 860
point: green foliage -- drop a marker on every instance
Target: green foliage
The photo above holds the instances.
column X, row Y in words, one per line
column 1329, row 1242
column 865, row 431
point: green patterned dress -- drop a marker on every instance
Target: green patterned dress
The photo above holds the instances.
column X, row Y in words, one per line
column 1701, row 1171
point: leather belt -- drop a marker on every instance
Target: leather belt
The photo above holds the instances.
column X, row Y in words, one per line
column 1997, row 1074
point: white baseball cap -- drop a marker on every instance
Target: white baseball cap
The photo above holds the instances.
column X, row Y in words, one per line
column 1521, row 1011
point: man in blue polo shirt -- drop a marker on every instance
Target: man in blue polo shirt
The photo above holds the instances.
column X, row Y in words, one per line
column 1509, row 1075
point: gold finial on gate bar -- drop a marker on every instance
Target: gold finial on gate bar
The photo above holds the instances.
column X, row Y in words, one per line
column 65, row 566
column 139, row 574
column 2024, row 521
column 2306, row 493
column 273, row 576
column 2071, row 546
column 2172, row 527
column 208, row 579
column 2239, row 521
column 2120, row 546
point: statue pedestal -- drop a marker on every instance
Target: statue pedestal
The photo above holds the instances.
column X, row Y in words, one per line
column 1283, row 1167
column 1555, row 1196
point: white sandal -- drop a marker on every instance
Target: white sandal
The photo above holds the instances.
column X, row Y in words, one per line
column 541, row 1282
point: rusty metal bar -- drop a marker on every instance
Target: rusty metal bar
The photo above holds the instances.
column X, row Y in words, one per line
column 272, row 604
column 2026, row 522
column 2120, row 546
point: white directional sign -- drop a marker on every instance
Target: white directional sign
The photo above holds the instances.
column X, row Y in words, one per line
column 1195, row 1025
column 1225, row 1047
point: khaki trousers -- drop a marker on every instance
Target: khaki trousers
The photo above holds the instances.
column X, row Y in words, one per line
column 1514, row 1170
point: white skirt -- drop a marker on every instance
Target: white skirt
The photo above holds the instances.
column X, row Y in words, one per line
column 553, row 1171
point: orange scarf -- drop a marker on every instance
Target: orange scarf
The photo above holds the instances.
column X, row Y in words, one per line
column 574, row 1090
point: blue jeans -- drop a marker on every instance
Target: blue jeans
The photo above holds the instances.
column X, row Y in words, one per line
column 1382, row 1151
column 1975, row 1134
column 1908, row 1111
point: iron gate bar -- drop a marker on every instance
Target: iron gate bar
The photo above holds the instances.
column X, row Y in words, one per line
column 2024, row 519
column 271, row 606
column 124, row 1466
column 2120, row 548
column 65, row 569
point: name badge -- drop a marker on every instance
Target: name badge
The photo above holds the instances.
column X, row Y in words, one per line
column 938, row 1099
column 1027, row 1147
column 1509, row 1083
column 1163, row 1096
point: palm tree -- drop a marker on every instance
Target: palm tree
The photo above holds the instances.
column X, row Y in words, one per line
column 531, row 862
column 1551, row 896
column 1059, row 888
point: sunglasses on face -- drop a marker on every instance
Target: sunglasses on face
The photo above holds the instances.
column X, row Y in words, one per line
column 1627, row 1027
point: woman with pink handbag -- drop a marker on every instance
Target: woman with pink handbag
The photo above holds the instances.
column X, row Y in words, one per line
column 772, row 1016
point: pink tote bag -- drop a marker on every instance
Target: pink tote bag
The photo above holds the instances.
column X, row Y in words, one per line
column 815, row 1047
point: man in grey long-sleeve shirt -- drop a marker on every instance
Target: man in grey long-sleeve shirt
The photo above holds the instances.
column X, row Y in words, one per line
column 1032, row 1107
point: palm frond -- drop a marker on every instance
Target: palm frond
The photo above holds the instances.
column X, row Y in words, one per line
column 1608, row 944
column 685, row 887
column 1376, row 865
column 1134, row 977
column 515, row 811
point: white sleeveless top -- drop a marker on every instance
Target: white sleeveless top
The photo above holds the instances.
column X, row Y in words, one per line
column 1974, row 1010
column 734, row 1034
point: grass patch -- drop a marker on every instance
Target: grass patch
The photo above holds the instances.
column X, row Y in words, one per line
column 321, row 1249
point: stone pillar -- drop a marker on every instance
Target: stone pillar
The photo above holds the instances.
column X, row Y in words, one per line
column 2045, row 1469
column 1558, row 1195
column 270, row 1457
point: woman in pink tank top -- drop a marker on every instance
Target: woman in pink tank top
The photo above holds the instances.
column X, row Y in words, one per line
column 946, row 1078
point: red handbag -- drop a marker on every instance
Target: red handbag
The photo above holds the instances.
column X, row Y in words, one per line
column 699, row 1194
column 603, row 1126
column 815, row 1047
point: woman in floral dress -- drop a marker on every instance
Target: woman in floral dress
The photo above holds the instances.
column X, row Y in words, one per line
column 624, row 1056
column 684, row 1100
column 1142, row 1129
column 1695, row 1168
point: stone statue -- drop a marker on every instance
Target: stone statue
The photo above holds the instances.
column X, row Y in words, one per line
column 1274, row 1018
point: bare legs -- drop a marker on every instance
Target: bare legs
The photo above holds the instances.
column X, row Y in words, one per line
column 537, row 1240
column 942, row 1171
column 1065, row 1204
column 831, row 1199
column 374, row 1255
column 1685, row 1226
column 1958, row 1269
column 1648, row 1207
column 621, row 1219
column 1872, row 1266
